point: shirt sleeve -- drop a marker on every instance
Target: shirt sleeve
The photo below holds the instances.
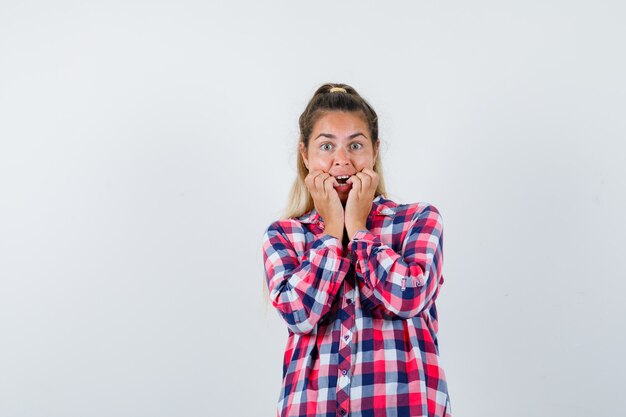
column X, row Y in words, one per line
column 403, row 284
column 302, row 288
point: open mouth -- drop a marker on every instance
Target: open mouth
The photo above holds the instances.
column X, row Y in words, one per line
column 343, row 186
column 341, row 179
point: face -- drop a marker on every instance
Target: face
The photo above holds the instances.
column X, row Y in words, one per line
column 340, row 144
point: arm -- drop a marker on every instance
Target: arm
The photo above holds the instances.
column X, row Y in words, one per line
column 302, row 289
column 402, row 284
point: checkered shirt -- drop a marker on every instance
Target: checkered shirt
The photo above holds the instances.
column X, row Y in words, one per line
column 362, row 321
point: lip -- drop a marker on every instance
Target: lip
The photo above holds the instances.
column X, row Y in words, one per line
column 342, row 187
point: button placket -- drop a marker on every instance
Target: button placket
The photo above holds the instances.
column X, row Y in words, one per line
column 345, row 347
column 347, row 332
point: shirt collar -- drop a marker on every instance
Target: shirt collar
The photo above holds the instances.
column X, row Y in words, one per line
column 380, row 206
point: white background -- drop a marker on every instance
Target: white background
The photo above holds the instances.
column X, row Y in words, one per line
column 145, row 146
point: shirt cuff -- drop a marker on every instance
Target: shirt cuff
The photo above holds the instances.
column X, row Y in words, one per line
column 330, row 242
column 364, row 235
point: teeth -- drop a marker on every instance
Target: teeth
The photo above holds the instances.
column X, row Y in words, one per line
column 342, row 180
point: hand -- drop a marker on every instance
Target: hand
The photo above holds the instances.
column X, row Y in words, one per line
column 327, row 203
column 360, row 199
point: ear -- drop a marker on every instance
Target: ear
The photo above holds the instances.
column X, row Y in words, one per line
column 302, row 150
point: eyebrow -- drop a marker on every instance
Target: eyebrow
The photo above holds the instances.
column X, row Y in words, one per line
column 331, row 136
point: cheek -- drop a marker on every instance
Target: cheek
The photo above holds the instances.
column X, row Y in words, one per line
column 318, row 162
column 364, row 162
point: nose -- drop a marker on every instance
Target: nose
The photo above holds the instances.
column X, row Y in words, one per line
column 341, row 157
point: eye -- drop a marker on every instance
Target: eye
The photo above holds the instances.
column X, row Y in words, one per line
column 356, row 146
column 326, row 146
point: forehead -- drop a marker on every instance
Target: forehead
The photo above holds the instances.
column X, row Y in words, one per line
column 340, row 122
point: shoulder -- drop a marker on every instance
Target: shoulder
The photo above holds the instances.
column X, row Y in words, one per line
column 284, row 224
column 290, row 229
column 408, row 211
column 427, row 209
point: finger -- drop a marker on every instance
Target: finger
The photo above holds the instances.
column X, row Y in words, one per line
column 320, row 179
column 333, row 180
column 314, row 174
column 372, row 174
column 369, row 172
column 356, row 183
column 374, row 178
column 329, row 185
column 366, row 180
column 310, row 182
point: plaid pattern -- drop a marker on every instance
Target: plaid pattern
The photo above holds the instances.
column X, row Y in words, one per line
column 362, row 322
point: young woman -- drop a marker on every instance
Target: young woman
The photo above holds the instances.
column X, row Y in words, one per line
column 355, row 276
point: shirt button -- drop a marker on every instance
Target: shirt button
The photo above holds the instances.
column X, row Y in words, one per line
column 346, row 337
column 342, row 412
column 345, row 372
column 349, row 301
